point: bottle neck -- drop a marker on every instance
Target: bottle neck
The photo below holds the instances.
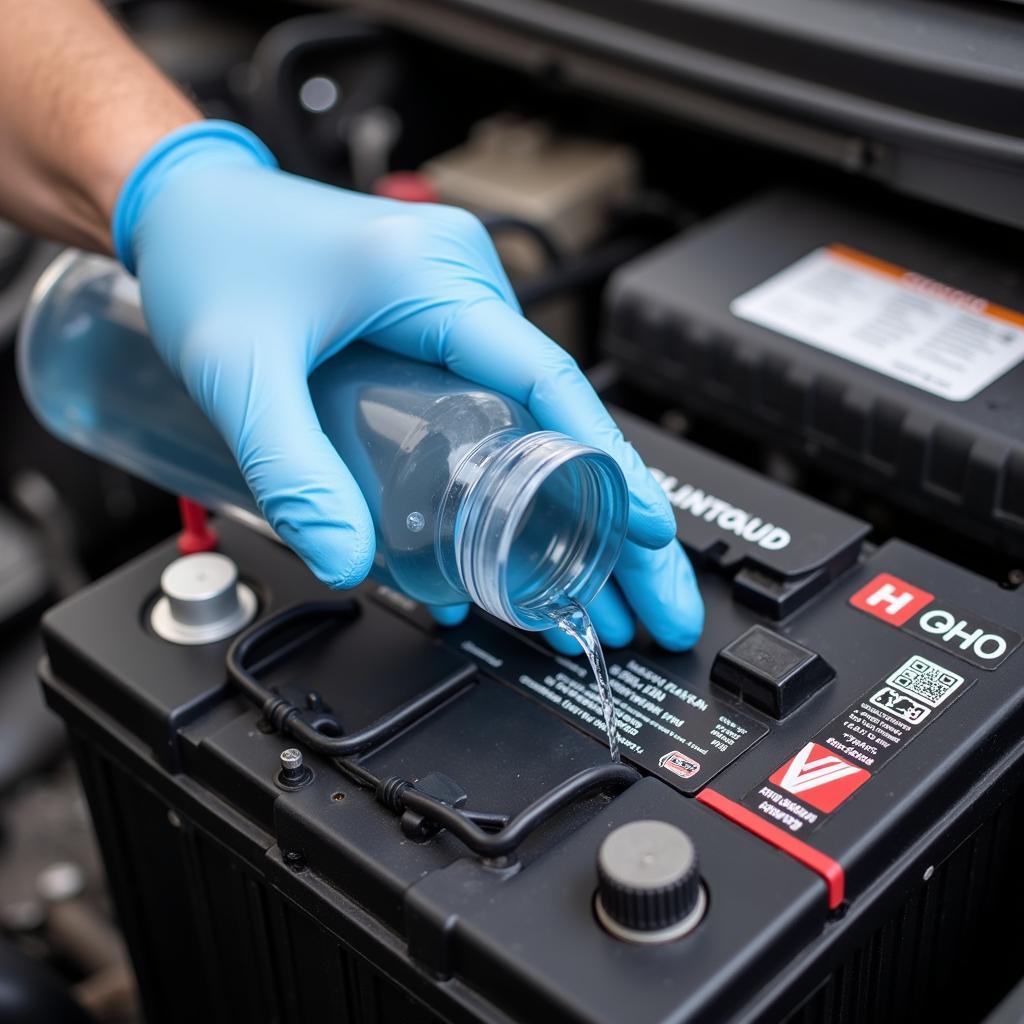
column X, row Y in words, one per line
column 531, row 521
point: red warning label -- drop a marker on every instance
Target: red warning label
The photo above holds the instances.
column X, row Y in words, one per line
column 891, row 599
column 819, row 777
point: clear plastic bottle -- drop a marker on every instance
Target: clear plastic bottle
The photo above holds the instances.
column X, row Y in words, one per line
column 470, row 500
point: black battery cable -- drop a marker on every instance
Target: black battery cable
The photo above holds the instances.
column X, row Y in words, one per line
column 488, row 834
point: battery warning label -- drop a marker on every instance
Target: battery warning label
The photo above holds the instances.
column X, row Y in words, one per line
column 679, row 764
column 819, row 777
column 825, row 772
column 889, row 319
column 674, row 729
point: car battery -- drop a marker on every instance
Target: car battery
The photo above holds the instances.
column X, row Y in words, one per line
column 816, row 817
column 877, row 345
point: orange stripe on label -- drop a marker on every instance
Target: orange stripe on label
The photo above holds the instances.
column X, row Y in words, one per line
column 820, row 863
column 926, row 285
column 1002, row 313
column 862, row 259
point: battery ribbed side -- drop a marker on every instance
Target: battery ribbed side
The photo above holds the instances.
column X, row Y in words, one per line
column 950, row 952
column 233, row 948
column 210, row 940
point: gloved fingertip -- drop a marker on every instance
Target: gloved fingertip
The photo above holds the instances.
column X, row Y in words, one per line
column 683, row 631
column 681, row 627
column 612, row 617
column 662, row 589
column 652, row 522
column 299, row 481
column 562, row 642
column 618, row 634
column 651, row 526
column 340, row 556
column 448, row 615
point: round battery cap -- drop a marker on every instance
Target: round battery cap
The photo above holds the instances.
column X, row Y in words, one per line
column 202, row 600
column 649, row 888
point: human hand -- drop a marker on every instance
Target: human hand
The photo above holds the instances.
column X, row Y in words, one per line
column 251, row 278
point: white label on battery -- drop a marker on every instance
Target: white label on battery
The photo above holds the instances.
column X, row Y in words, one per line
column 888, row 319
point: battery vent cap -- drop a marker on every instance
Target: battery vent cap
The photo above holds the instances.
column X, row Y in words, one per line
column 649, row 887
column 770, row 671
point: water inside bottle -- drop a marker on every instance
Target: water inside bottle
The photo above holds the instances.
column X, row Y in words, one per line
column 575, row 621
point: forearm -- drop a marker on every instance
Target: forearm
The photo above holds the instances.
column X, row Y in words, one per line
column 79, row 106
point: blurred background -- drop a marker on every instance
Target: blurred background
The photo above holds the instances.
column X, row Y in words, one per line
column 571, row 184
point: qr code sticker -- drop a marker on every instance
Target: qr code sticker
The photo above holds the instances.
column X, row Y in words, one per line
column 925, row 680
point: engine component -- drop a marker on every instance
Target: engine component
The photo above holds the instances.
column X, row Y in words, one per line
column 921, row 96
column 30, row 993
column 554, row 195
column 563, row 184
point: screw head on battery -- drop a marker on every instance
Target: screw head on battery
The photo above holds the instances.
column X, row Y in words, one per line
column 293, row 774
column 649, row 887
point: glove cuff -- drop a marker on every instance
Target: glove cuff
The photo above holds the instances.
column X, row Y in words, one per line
column 200, row 137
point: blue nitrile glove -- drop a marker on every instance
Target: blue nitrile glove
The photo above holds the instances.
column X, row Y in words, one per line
column 252, row 277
